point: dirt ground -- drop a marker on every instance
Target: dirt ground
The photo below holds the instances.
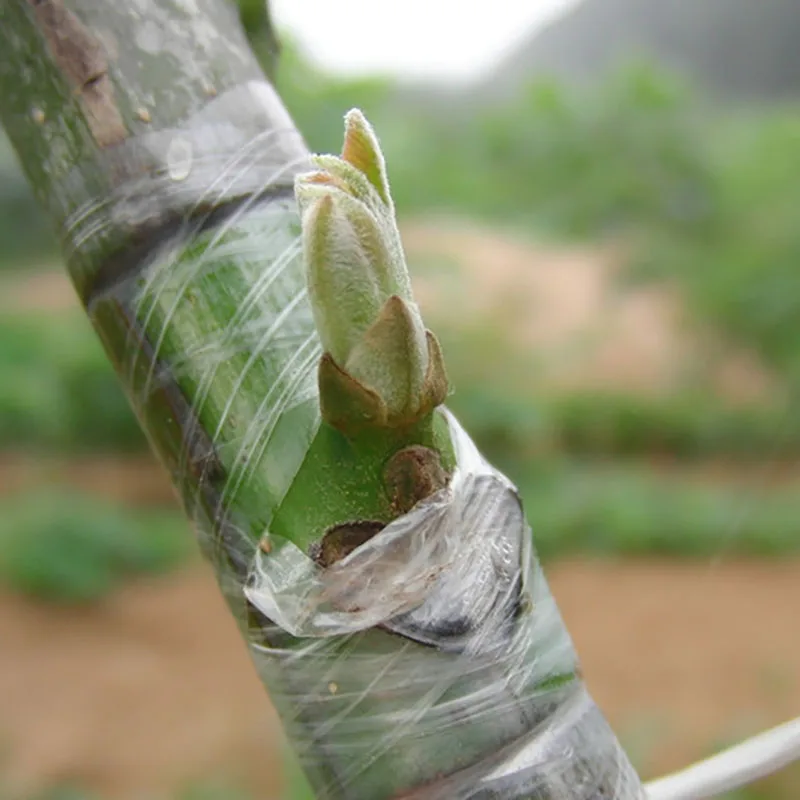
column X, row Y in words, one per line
column 152, row 688
column 568, row 307
column 133, row 480
column 48, row 290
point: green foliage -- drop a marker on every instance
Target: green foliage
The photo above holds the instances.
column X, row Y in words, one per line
column 626, row 510
column 257, row 22
column 708, row 195
column 770, row 789
column 64, row 547
column 297, row 785
column 742, row 274
column 57, row 389
column 597, row 423
column 681, row 426
column 567, row 164
column 25, row 234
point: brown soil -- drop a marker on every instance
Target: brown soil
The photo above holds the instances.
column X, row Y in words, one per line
column 44, row 291
column 134, row 480
column 568, row 308
column 133, row 697
column 153, row 688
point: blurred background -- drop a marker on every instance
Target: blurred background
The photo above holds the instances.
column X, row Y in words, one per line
column 599, row 202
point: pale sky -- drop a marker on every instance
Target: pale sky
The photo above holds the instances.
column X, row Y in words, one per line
column 440, row 39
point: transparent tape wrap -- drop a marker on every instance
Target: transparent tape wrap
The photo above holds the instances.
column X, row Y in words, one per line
column 430, row 662
column 437, row 646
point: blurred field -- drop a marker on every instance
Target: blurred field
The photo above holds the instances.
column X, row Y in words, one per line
column 613, row 276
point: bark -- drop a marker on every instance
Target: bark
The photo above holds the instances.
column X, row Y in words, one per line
column 166, row 162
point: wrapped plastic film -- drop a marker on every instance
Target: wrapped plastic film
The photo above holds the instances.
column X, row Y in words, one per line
column 431, row 661
column 436, row 647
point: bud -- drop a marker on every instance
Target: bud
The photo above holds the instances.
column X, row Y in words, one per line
column 381, row 366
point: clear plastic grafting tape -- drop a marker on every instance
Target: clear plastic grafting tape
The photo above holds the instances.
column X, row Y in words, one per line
column 431, row 662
